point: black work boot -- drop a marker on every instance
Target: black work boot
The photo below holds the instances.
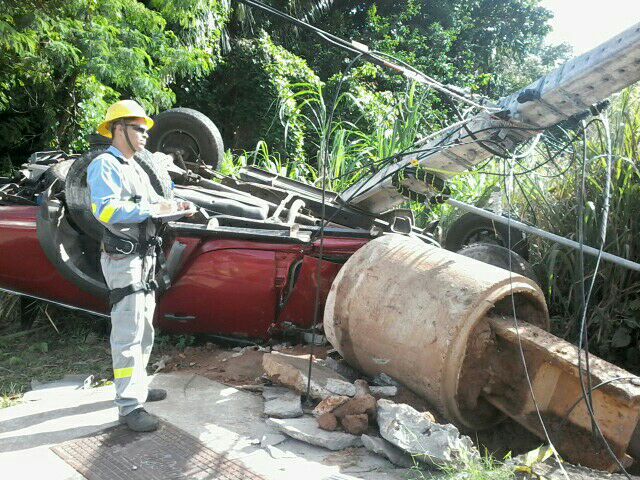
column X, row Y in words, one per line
column 156, row 394
column 140, row 421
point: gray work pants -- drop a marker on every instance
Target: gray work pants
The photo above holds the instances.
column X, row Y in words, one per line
column 131, row 328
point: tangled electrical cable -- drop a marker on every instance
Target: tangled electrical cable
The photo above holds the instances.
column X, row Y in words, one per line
column 508, row 177
column 507, row 188
column 583, row 336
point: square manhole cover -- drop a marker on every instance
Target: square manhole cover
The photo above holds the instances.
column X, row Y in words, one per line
column 168, row 453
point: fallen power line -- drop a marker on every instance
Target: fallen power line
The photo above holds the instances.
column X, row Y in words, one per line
column 544, row 234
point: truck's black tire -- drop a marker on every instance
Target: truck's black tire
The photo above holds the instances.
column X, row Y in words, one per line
column 78, row 198
column 76, row 256
column 471, row 228
column 56, row 173
column 499, row 257
column 190, row 132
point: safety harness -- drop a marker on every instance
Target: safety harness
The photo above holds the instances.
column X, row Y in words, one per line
column 145, row 248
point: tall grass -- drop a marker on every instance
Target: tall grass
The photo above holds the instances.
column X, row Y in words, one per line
column 346, row 151
column 613, row 317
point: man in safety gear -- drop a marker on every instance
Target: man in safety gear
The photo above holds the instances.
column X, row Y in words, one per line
column 124, row 201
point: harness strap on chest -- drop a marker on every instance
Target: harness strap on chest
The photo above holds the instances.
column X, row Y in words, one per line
column 145, row 247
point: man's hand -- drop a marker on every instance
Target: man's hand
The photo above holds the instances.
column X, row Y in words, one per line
column 164, row 208
column 185, row 205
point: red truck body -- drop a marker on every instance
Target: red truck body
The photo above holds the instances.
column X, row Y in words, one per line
column 241, row 288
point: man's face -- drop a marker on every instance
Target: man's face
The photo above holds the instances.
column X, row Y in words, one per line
column 136, row 130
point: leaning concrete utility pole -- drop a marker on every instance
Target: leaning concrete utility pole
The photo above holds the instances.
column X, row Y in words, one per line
column 568, row 90
column 471, row 339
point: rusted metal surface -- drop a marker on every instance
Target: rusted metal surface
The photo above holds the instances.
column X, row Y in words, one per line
column 553, row 369
column 119, row 453
column 443, row 325
column 409, row 310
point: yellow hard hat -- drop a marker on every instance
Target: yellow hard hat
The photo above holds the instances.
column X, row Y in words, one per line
column 122, row 109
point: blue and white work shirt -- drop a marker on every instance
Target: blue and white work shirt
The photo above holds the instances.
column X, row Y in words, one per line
column 121, row 194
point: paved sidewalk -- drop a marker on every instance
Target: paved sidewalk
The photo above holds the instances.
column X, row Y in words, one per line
column 227, row 420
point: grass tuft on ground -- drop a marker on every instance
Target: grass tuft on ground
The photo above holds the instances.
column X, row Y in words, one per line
column 39, row 352
column 470, row 467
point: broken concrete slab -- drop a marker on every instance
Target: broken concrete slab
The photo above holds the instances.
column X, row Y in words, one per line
column 306, row 430
column 269, row 393
column 416, row 434
column 383, row 391
column 329, row 404
column 342, row 368
column 388, row 450
column 292, row 370
column 271, row 439
column 288, row 405
column 340, row 387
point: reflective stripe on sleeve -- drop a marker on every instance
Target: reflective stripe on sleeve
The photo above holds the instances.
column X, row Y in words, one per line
column 94, row 208
column 122, row 373
column 107, row 213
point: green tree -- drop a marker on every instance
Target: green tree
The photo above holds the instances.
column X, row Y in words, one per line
column 245, row 94
column 63, row 62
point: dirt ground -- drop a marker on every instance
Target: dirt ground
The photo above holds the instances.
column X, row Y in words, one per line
column 234, row 367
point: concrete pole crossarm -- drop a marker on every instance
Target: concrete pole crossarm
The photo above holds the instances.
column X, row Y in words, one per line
column 566, row 91
column 544, row 234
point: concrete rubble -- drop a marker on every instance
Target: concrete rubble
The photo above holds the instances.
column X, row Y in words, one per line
column 363, row 404
column 348, row 414
column 392, row 453
column 341, row 367
column 328, row 421
column 355, row 424
column 384, row 380
column 306, row 429
column 292, row 371
column 329, row 404
column 390, row 391
column 419, row 435
column 281, row 403
column 271, row 439
column 340, row 387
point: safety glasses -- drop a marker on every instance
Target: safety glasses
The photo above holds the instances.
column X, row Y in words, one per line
column 138, row 128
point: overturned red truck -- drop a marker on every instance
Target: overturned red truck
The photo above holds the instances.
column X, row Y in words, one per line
column 247, row 265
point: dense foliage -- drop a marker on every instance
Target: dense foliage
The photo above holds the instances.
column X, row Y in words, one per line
column 244, row 95
column 63, row 62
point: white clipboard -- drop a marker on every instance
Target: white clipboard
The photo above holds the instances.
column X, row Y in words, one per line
column 167, row 217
